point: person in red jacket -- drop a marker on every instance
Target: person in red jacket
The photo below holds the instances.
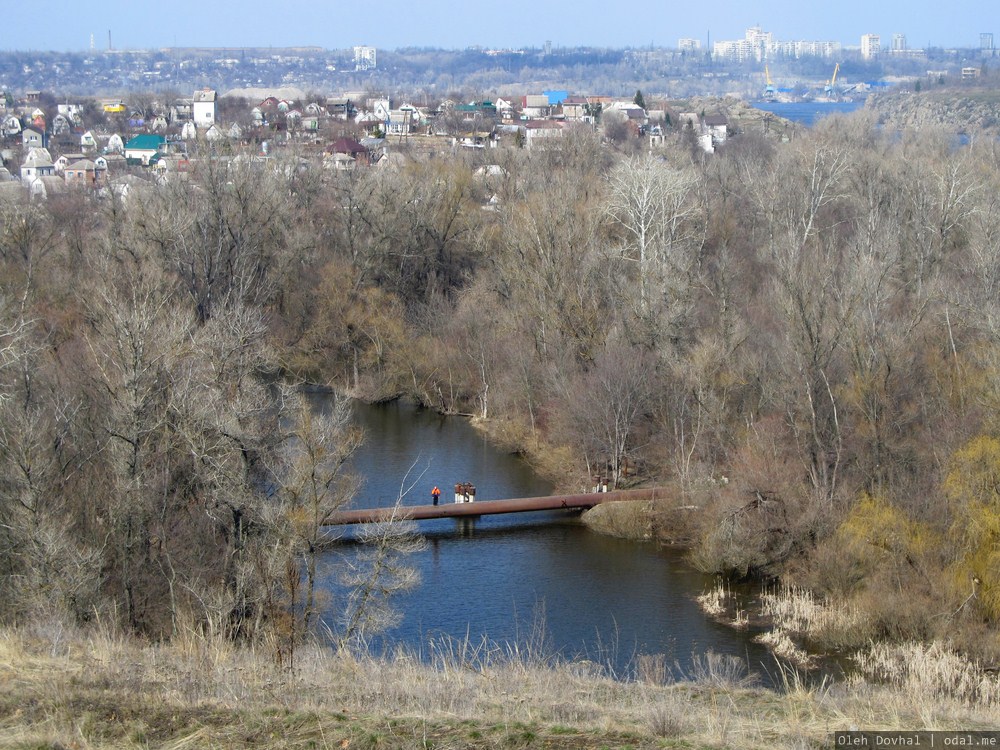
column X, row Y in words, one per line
column 435, row 494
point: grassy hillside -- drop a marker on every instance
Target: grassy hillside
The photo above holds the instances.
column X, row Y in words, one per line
column 93, row 689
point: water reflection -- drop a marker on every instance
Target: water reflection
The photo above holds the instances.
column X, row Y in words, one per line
column 509, row 578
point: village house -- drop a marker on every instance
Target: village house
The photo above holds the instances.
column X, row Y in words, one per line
column 402, row 121
column 46, row 186
column 345, row 153
column 61, row 124
column 141, row 148
column 574, row 108
column 88, row 143
column 340, row 108
column 11, row 126
column 717, row 128
column 116, row 145
column 81, row 173
column 70, row 111
column 38, row 163
column 204, row 107
column 181, row 111
column 66, row 159
column 167, row 167
column 310, row 123
column 534, row 106
column 32, row 137
column 505, row 109
column 536, row 132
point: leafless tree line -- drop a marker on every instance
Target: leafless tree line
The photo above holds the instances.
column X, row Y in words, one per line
column 777, row 331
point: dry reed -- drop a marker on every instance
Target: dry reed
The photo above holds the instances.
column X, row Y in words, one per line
column 99, row 689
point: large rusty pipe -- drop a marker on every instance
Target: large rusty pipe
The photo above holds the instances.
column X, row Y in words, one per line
column 489, row 507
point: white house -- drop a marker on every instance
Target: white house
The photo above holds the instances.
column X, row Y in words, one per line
column 537, row 131
column 60, row 124
column 11, row 125
column 46, row 186
column 65, row 160
column 203, row 107
column 72, row 111
column 38, row 163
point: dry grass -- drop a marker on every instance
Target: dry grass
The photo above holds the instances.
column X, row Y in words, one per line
column 629, row 519
column 96, row 689
column 721, row 603
column 931, row 672
column 797, row 613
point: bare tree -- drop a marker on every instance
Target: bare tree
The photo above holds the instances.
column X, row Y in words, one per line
column 607, row 405
column 660, row 211
column 378, row 572
column 313, row 484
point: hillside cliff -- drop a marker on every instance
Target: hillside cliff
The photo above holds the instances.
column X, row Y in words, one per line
column 958, row 110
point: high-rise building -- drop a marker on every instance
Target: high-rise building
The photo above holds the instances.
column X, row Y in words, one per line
column 364, row 58
column 871, row 46
column 986, row 45
column 899, row 42
column 760, row 46
column 688, row 45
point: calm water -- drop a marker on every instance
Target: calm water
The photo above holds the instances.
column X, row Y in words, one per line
column 808, row 112
column 505, row 578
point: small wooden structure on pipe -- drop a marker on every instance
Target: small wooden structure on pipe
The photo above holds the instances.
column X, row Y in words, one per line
column 489, row 507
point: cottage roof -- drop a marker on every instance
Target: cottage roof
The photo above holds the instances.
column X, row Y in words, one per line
column 347, row 146
column 84, row 164
column 49, row 184
column 145, row 142
column 543, row 125
column 38, row 157
column 205, row 95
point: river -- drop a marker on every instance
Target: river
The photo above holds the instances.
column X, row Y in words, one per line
column 808, row 112
column 539, row 580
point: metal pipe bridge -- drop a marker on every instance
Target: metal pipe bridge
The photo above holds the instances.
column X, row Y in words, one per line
column 490, row 507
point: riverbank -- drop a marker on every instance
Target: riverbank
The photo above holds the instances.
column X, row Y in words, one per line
column 95, row 689
column 954, row 110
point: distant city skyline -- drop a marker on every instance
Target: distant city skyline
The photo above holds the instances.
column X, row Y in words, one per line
column 515, row 24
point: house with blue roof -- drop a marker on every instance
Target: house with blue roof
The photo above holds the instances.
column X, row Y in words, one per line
column 141, row 148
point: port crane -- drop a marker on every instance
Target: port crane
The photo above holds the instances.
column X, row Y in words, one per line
column 769, row 90
column 833, row 80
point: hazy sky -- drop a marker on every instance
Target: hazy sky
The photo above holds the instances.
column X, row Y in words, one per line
column 510, row 23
